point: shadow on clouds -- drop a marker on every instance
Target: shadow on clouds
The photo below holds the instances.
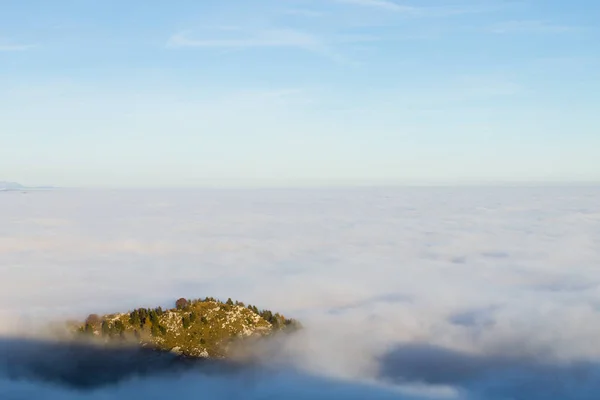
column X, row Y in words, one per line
column 490, row 376
column 32, row 368
column 87, row 366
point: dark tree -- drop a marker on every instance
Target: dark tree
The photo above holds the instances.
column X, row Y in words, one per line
column 89, row 329
column 292, row 325
column 134, row 319
column 267, row 315
column 181, row 303
column 119, row 327
column 105, row 328
column 186, row 322
column 229, row 302
column 153, row 317
column 93, row 319
column 278, row 321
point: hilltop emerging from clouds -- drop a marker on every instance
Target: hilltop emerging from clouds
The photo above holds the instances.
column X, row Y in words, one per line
column 194, row 328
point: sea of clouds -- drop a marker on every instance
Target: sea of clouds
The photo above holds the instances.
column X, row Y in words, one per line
column 407, row 293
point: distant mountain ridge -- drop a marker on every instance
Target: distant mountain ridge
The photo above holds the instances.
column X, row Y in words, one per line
column 7, row 186
column 4, row 185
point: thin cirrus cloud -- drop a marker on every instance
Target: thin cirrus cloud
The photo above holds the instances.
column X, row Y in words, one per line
column 269, row 38
column 532, row 27
column 422, row 11
column 15, row 47
column 299, row 12
column 381, row 4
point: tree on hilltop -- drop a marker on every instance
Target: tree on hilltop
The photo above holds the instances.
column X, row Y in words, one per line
column 105, row 328
column 119, row 327
column 88, row 329
column 93, row 319
column 181, row 303
column 134, row 318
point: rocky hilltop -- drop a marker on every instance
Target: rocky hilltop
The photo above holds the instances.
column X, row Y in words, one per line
column 193, row 328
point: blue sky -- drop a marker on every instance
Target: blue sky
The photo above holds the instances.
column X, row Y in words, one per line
column 298, row 92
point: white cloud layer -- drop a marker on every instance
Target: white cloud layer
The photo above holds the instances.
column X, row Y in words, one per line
column 428, row 292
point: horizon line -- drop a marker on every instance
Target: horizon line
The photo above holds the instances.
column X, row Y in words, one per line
column 366, row 185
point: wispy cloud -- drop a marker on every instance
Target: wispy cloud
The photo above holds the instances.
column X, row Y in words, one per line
column 381, row 4
column 266, row 38
column 15, row 47
column 529, row 26
column 228, row 28
column 423, row 11
column 303, row 13
column 269, row 38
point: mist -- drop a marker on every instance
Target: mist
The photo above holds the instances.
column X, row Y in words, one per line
column 409, row 293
